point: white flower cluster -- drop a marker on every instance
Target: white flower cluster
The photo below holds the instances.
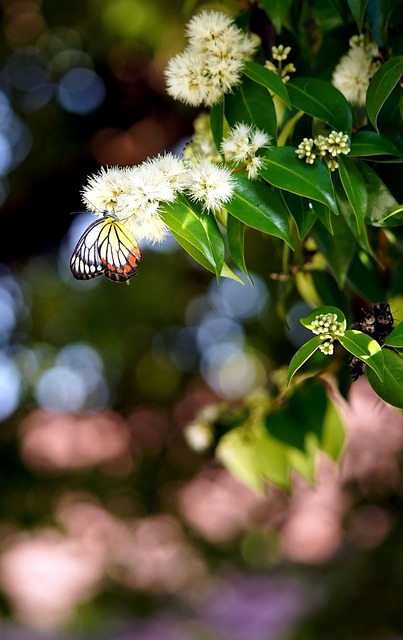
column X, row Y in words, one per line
column 210, row 184
column 212, row 63
column 136, row 194
column 355, row 70
column 240, row 147
column 328, row 148
column 280, row 54
column 328, row 328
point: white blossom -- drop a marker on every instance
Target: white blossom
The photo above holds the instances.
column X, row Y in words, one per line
column 210, row 184
column 212, row 63
column 134, row 195
column 253, row 166
column 103, row 189
column 173, row 169
column 242, row 143
column 353, row 74
column 188, row 81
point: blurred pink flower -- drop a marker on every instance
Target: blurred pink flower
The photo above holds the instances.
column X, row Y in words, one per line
column 52, row 442
column 150, row 553
column 46, row 574
column 375, row 438
column 220, row 507
column 86, row 520
column 154, row 556
column 314, row 528
column 312, row 532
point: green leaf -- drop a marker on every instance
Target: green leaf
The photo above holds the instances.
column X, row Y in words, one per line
column 256, row 205
column 199, row 231
column 324, row 215
column 235, row 238
column 355, row 189
column 358, row 9
column 253, row 456
column 217, row 123
column 395, row 339
column 379, row 12
column 216, row 241
column 268, row 79
column 306, row 288
column 309, row 421
column 320, row 99
column 195, row 253
column 396, row 212
column 365, row 348
column 228, row 273
column 393, row 218
column 364, row 277
column 383, row 209
column 370, row 143
column 304, row 462
column 306, row 321
column 381, row 86
column 303, row 354
column 351, row 192
column 339, row 249
column 301, row 210
column 184, row 222
column 298, row 426
column 276, row 10
column 252, row 104
column 334, row 435
column 391, row 389
column 284, row 170
column 199, row 257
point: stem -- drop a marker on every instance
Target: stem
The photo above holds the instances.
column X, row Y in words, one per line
column 298, row 245
column 286, row 258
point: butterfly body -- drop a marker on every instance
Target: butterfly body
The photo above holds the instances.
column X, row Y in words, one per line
column 106, row 248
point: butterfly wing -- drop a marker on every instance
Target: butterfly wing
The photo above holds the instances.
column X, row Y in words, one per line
column 106, row 248
column 118, row 251
column 85, row 262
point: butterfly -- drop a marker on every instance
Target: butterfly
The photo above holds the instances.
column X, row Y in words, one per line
column 106, row 248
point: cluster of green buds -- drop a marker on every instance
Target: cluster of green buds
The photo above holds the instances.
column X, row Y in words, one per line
column 326, row 147
column 280, row 54
column 328, row 328
column 306, row 150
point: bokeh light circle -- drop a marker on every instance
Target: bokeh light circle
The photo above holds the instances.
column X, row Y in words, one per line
column 81, row 91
